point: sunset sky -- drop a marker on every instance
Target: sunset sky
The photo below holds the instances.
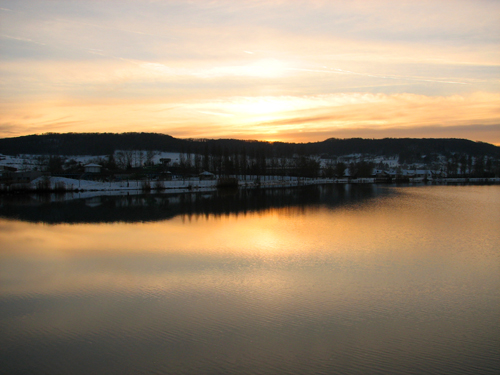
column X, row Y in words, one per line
column 299, row 71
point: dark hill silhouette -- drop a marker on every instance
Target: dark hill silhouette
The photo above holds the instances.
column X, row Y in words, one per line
column 107, row 143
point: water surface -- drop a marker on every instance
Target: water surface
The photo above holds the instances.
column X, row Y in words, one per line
column 320, row 280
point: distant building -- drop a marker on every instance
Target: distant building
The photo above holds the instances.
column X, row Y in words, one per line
column 381, row 176
column 93, row 168
column 18, row 177
column 417, row 173
column 6, row 172
column 5, row 168
column 207, row 176
column 165, row 176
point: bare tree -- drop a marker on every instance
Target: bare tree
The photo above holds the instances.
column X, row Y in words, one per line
column 139, row 158
column 197, row 163
column 150, row 154
column 129, row 157
column 121, row 160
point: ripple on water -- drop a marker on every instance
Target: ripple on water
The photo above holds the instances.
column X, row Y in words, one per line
column 403, row 283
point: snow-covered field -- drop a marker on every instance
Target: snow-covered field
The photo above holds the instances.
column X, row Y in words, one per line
column 25, row 162
column 87, row 189
column 193, row 183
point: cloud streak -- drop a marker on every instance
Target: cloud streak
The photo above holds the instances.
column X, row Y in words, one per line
column 341, row 71
column 252, row 69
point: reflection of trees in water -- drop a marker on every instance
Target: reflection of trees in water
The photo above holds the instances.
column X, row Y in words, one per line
column 157, row 207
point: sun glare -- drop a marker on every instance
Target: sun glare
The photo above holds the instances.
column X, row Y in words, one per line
column 268, row 68
column 261, row 105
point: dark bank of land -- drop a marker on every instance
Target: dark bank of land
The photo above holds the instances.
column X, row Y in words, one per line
column 149, row 161
column 107, row 143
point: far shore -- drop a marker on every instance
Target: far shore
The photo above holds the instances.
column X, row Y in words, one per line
column 88, row 188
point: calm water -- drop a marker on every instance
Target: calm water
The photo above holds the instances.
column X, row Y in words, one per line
column 322, row 280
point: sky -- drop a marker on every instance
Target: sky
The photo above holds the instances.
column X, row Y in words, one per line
column 274, row 70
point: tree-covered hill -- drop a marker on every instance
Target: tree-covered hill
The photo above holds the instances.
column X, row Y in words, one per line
column 396, row 146
column 107, row 143
column 87, row 143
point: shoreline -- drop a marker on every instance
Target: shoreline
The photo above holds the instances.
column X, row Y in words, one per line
column 87, row 189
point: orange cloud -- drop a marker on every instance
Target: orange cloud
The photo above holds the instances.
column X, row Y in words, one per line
column 293, row 118
column 277, row 70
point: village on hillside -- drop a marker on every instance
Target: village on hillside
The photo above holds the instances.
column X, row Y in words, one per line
column 159, row 171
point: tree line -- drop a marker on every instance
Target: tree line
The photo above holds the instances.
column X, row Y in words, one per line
column 107, row 143
column 226, row 157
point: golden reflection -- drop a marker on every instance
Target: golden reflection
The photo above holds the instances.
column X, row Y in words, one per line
column 254, row 249
column 366, row 227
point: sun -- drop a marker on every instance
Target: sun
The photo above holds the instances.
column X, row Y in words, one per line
column 262, row 105
column 267, row 68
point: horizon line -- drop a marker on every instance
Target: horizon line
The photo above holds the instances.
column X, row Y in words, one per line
column 198, row 139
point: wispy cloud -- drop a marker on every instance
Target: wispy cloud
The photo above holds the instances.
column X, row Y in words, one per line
column 250, row 68
column 20, row 39
column 216, row 113
column 341, row 71
column 103, row 26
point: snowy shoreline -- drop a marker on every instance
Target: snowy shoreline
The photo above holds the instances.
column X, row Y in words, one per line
column 89, row 189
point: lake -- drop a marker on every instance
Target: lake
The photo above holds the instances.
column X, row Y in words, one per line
column 317, row 280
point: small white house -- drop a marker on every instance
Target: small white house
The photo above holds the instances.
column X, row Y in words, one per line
column 93, row 168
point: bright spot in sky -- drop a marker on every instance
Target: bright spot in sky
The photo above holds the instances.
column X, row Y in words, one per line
column 301, row 71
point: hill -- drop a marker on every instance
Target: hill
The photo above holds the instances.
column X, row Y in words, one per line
column 107, row 143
